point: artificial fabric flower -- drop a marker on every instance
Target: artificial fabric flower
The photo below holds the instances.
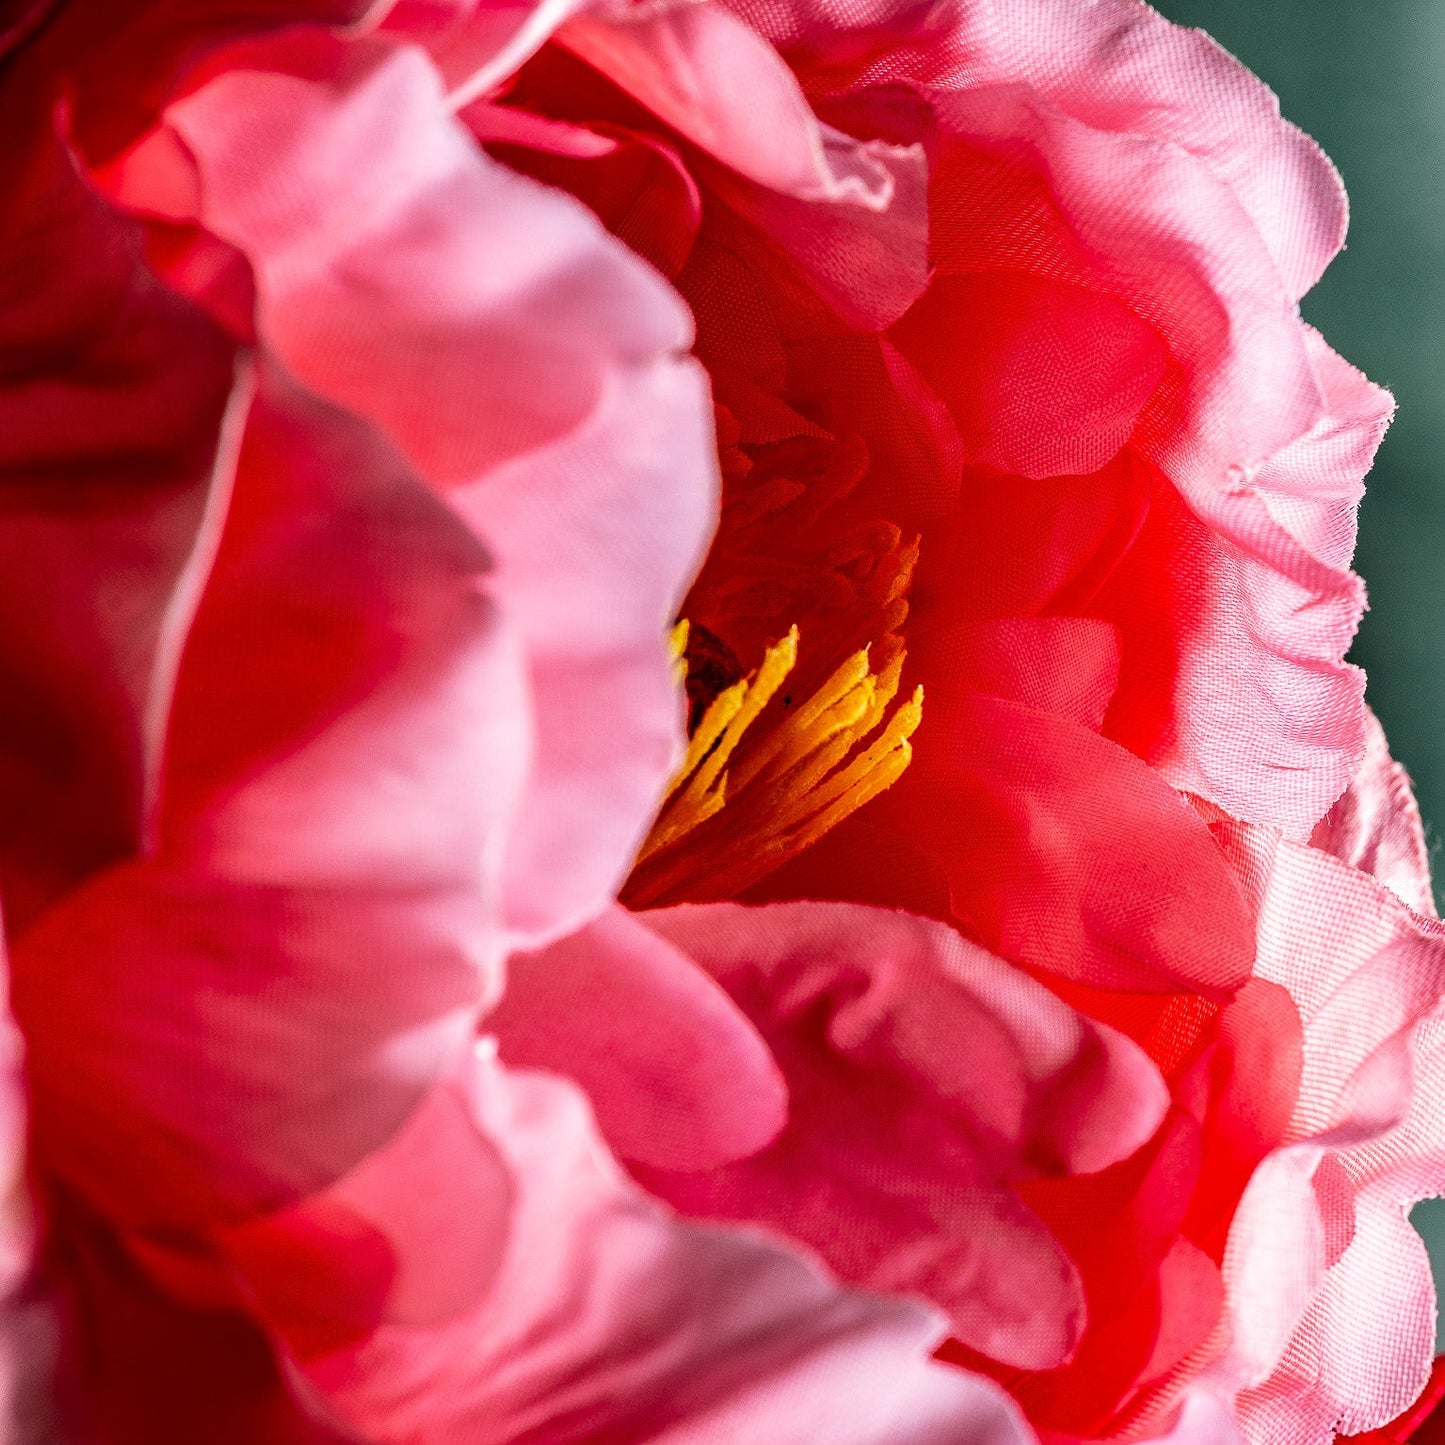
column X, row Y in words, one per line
column 890, row 773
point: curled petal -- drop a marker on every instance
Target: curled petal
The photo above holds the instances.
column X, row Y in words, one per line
column 924, row 1077
column 611, row 1320
column 677, row 1075
column 1115, row 67
column 1376, row 826
column 385, row 244
column 344, row 653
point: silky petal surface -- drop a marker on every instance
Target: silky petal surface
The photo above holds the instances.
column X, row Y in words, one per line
column 268, row 993
column 385, row 244
column 610, row 1321
column 1376, row 827
column 897, row 1157
column 1354, row 1333
column 675, row 1073
column 118, row 429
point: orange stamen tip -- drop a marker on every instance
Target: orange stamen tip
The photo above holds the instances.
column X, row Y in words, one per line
column 748, row 798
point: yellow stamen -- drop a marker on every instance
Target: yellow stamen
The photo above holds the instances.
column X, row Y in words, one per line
column 677, row 651
column 742, row 803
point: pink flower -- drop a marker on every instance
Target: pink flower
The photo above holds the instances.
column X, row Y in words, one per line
column 1011, row 1016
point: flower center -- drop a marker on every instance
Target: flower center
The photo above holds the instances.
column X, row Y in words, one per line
column 765, row 777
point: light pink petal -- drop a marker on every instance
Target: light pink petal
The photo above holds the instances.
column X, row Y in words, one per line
column 611, row 1321
column 1275, row 1260
column 1362, row 970
column 476, row 44
column 119, row 416
column 924, row 1076
column 375, row 1247
column 387, row 245
column 676, row 1074
column 1231, row 680
column 1376, row 826
column 618, row 509
column 236, row 1019
column 349, row 710
column 714, row 80
column 1277, row 617
column 1116, row 66
column 1363, row 1352
column 1365, row 974
column 1206, row 1417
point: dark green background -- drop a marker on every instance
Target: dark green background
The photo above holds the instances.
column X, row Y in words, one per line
column 1366, row 78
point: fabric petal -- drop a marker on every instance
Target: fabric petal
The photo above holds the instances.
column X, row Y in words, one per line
column 674, row 1071
column 395, row 247
column 1036, row 822
column 141, row 1365
column 1376, row 827
column 612, row 1321
column 718, row 83
column 1362, row 1146
column 476, row 44
column 235, row 1019
column 1112, row 66
column 925, row 1076
column 120, row 415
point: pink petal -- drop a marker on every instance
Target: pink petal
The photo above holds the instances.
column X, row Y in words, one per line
column 612, row 1321
column 690, row 65
column 476, row 44
column 1118, row 68
column 349, row 709
column 674, row 1071
column 342, row 755
column 119, row 427
column 1151, row 174
column 638, row 186
column 924, row 1077
column 1353, row 1337
column 588, row 456
column 1362, row 970
column 1038, row 822
column 1376, row 826
column 151, row 1367
column 1363, row 1352
column 1231, row 681
column 1154, row 230
column 373, row 1248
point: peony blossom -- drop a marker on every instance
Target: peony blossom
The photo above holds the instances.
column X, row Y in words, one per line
column 678, row 755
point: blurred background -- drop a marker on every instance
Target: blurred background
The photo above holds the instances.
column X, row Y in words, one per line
column 1366, row 78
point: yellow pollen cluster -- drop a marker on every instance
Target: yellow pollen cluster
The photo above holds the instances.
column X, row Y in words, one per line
column 747, row 799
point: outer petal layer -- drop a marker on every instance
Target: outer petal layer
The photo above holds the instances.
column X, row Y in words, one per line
column 610, row 1321
column 386, row 244
column 924, row 1076
column 344, row 653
